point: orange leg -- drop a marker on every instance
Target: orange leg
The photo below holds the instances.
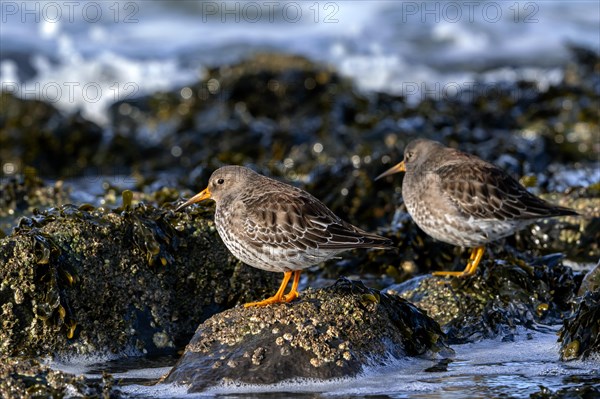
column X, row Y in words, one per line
column 278, row 297
column 470, row 269
column 293, row 294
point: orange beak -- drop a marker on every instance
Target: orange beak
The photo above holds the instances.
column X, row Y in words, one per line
column 201, row 196
column 395, row 169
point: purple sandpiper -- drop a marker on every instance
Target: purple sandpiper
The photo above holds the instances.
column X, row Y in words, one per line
column 276, row 227
column 462, row 200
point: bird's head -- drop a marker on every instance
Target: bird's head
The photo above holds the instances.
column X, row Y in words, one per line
column 416, row 153
column 225, row 181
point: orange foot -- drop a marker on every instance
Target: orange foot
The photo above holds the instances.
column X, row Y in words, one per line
column 471, row 268
column 265, row 302
column 279, row 297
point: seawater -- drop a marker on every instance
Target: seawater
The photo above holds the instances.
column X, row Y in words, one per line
column 484, row 369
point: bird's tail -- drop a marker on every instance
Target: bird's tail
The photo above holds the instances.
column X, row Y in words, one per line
column 350, row 236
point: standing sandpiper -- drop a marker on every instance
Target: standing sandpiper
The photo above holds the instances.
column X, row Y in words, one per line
column 276, row 227
column 462, row 200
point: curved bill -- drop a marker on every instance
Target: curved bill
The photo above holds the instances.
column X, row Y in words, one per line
column 201, row 196
column 395, row 169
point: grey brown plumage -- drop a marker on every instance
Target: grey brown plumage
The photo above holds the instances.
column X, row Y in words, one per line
column 276, row 227
column 462, row 200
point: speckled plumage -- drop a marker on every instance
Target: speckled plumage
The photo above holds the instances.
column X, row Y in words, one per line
column 462, row 200
column 276, row 227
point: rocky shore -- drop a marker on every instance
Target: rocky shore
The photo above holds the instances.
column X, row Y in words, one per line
column 117, row 271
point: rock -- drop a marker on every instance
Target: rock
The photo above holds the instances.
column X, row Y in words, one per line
column 584, row 390
column 35, row 133
column 327, row 333
column 591, row 281
column 580, row 334
column 253, row 111
column 577, row 237
column 502, row 295
column 136, row 279
column 27, row 378
column 25, row 191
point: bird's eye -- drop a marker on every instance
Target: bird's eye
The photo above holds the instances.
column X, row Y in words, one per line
column 220, row 181
column 409, row 156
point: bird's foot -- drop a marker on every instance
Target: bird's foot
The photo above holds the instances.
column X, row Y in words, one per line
column 274, row 299
column 471, row 267
column 290, row 296
column 265, row 302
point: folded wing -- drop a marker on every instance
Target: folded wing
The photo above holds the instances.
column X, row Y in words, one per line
column 484, row 191
column 298, row 220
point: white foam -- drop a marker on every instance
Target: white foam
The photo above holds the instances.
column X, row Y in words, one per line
column 161, row 391
column 81, row 363
column 91, row 85
column 152, row 373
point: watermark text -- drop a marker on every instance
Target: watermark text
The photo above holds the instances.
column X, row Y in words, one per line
column 69, row 11
column 70, row 92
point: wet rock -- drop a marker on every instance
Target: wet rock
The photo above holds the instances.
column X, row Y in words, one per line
column 502, row 295
column 27, row 378
column 591, row 281
column 35, row 133
column 578, row 237
column 583, row 390
column 253, row 111
column 137, row 279
column 25, row 191
column 327, row 333
column 580, row 334
column 292, row 115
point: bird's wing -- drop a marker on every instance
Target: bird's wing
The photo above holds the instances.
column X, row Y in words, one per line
column 482, row 190
column 294, row 218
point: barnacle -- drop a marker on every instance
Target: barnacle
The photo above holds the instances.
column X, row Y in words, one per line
column 53, row 276
column 152, row 236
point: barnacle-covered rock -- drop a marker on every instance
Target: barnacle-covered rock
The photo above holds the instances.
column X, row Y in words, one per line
column 137, row 279
column 580, row 334
column 27, row 378
column 24, row 192
column 502, row 295
column 327, row 333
